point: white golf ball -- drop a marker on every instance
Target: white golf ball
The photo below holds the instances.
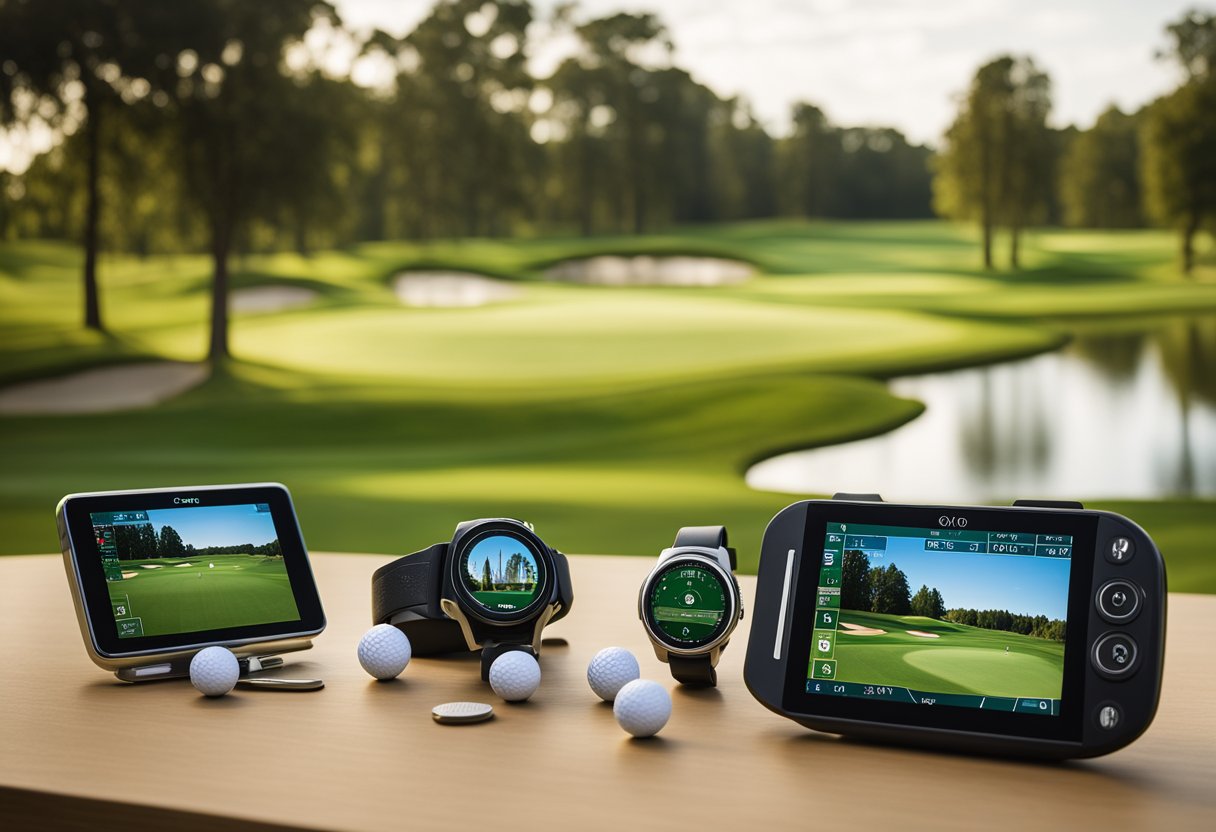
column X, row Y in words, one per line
column 610, row 670
column 642, row 707
column 214, row 671
column 384, row 651
column 515, row 675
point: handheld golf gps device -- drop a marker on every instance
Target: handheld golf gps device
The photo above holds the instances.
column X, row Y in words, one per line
column 690, row 604
column 1032, row 630
column 494, row 587
column 158, row 575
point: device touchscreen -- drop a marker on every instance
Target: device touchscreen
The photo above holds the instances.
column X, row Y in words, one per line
column 954, row 617
column 193, row 568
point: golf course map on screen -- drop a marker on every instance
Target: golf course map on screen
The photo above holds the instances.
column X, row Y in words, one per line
column 942, row 617
column 500, row 573
column 185, row 570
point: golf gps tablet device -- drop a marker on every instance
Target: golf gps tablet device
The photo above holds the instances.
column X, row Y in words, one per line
column 157, row 575
column 1033, row 630
column 494, row 587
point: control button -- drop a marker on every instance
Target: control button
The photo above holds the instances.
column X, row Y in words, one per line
column 1115, row 655
column 1120, row 550
column 1118, row 601
column 1109, row 717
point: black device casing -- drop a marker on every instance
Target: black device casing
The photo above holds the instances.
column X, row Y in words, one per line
column 768, row 649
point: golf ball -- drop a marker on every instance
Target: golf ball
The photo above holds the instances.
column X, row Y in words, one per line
column 384, row 651
column 515, row 675
column 610, row 670
column 642, row 707
column 214, row 671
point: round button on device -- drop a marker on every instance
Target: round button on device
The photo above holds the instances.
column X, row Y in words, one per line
column 1115, row 655
column 1109, row 716
column 1120, row 550
column 1118, row 601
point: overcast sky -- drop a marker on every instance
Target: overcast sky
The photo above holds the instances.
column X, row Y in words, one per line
column 889, row 62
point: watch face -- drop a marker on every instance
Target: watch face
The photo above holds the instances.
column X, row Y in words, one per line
column 687, row 604
column 501, row 572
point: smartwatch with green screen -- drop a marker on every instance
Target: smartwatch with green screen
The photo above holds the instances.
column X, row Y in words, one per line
column 690, row 603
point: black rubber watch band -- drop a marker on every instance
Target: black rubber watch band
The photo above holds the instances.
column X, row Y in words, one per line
column 409, row 583
column 706, row 537
column 694, row 671
column 406, row 593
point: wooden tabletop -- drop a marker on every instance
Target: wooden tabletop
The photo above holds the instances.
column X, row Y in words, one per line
column 80, row 750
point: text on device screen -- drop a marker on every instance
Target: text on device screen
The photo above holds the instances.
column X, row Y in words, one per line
column 184, row 570
column 954, row 617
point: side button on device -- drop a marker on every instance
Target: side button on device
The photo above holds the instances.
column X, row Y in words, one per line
column 1115, row 655
column 1109, row 716
column 1120, row 550
column 1118, row 601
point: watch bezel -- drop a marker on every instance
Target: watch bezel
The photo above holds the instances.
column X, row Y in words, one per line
column 703, row 558
column 468, row 537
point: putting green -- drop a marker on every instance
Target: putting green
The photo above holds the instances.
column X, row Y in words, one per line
column 203, row 592
column 962, row 659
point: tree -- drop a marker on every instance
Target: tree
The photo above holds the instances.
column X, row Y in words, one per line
column 891, row 593
column 487, row 580
column 56, row 54
column 856, row 589
column 997, row 158
column 240, row 120
column 1179, row 137
column 1100, row 176
column 928, row 603
column 170, row 543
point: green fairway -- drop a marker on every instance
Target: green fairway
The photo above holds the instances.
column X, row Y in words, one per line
column 204, row 592
column 608, row 416
column 948, row 658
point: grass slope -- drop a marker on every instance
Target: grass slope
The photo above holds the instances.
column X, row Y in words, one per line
column 206, row 592
column 607, row 416
column 962, row 659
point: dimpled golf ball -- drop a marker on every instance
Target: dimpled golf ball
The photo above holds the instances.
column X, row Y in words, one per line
column 384, row 651
column 642, row 707
column 214, row 671
column 515, row 676
column 610, row 670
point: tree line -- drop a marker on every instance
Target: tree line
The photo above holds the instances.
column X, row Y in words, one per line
column 143, row 542
column 886, row 590
column 207, row 126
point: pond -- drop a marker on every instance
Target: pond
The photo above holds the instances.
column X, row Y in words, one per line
column 1129, row 414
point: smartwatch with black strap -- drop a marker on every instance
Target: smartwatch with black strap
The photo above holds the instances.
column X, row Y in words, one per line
column 493, row 588
column 690, row 604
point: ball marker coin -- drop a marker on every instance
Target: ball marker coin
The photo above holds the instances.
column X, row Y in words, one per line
column 461, row 713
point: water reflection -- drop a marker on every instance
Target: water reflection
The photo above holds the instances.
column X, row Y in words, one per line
column 1128, row 414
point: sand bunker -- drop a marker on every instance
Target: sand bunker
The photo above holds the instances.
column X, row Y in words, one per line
column 451, row 290
column 922, row 634
column 180, row 565
column 149, row 566
column 270, row 298
column 121, row 387
column 858, row 630
column 645, row 270
column 128, row 575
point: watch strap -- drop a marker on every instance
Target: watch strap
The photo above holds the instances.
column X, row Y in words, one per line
column 706, row 537
column 694, row 671
column 406, row 593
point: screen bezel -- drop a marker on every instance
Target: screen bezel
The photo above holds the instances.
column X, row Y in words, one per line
column 95, row 595
column 728, row 614
column 544, row 567
column 1066, row 726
